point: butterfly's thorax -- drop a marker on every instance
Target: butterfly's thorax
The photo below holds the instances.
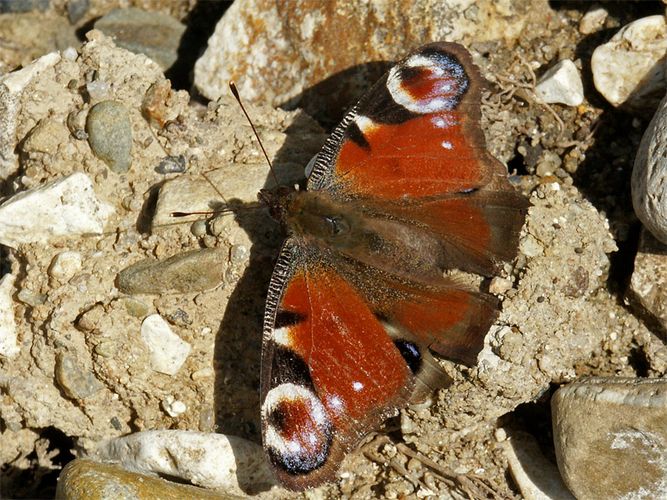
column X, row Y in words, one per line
column 353, row 230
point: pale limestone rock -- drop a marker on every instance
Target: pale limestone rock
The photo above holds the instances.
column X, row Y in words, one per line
column 216, row 461
column 65, row 207
column 593, row 20
column 561, row 84
column 168, row 350
column 629, row 69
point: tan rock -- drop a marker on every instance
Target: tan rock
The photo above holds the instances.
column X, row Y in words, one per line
column 610, row 436
column 277, row 50
column 88, row 480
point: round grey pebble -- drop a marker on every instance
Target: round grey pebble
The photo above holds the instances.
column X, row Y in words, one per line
column 198, row 228
column 110, row 135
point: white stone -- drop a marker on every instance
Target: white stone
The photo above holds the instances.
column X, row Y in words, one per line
column 173, row 407
column 593, row 20
column 18, row 80
column 70, row 54
column 226, row 463
column 8, row 344
column 11, row 87
column 66, row 207
column 536, row 477
column 168, row 350
column 649, row 176
column 561, row 84
column 65, row 265
column 629, row 68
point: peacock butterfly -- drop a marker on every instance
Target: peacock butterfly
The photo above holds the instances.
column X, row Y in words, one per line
column 401, row 192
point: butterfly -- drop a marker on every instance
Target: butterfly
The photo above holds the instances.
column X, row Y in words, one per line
column 402, row 192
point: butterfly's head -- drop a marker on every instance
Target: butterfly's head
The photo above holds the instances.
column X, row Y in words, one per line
column 276, row 200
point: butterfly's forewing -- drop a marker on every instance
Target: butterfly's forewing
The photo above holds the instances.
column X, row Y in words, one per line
column 330, row 372
column 414, row 142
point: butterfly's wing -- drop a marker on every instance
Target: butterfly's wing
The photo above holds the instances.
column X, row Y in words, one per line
column 330, row 372
column 414, row 145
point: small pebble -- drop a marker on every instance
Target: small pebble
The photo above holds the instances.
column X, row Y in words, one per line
column 173, row 407
column 171, row 165
column 499, row 285
column 75, row 381
column 110, row 135
column 65, row 265
column 30, row 298
column 23, row 5
column 192, row 271
column 593, row 20
column 76, row 9
column 238, row 253
column 168, row 350
column 98, row 90
column 70, row 54
column 198, row 228
column 561, row 84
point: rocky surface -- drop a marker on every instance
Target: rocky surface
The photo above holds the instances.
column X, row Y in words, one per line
column 75, row 373
column 612, row 424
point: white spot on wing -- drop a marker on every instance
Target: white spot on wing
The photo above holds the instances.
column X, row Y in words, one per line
column 447, row 145
column 357, row 386
column 365, row 124
column 281, row 336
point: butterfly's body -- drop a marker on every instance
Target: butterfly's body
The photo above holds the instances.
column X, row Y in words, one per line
column 354, row 231
column 402, row 192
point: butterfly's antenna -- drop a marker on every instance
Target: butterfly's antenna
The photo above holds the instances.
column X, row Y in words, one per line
column 235, row 92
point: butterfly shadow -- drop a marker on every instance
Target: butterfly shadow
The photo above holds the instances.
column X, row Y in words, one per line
column 238, row 343
column 237, row 353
